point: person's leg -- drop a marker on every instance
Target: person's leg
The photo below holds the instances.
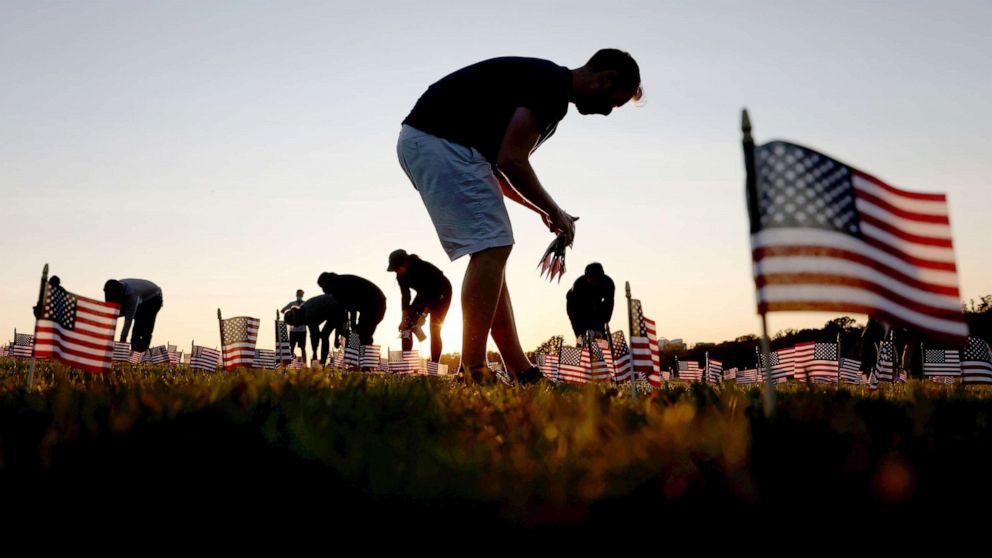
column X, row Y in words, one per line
column 368, row 320
column 438, row 312
column 325, row 343
column 505, row 335
column 480, row 294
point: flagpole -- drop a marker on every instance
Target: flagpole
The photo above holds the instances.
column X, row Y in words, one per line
column 41, row 300
column 840, row 359
column 747, row 142
column 220, row 325
column 630, row 334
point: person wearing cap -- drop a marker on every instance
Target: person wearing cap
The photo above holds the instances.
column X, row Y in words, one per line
column 466, row 145
column 321, row 309
column 140, row 300
column 433, row 296
column 297, row 334
column 361, row 299
column 589, row 303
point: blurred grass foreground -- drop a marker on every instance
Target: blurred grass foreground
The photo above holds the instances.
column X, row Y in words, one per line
column 428, row 451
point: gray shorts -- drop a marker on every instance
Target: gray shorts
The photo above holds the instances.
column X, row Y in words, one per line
column 460, row 191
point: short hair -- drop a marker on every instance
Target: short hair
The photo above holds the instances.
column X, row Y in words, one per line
column 595, row 269
column 628, row 73
column 113, row 291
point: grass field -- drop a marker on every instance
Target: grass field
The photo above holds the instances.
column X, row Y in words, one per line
column 425, row 450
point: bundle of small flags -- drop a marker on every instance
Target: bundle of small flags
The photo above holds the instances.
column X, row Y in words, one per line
column 552, row 263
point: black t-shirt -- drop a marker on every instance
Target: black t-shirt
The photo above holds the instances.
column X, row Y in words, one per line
column 425, row 278
column 473, row 106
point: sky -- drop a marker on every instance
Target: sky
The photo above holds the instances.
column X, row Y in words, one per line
column 232, row 151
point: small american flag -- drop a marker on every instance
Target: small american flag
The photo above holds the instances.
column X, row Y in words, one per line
column 976, row 366
column 122, row 352
column 781, row 365
column 204, row 358
column 436, row 369
column 548, row 365
column 818, row 361
column 730, row 374
column 404, row 362
column 173, row 354
column 886, row 361
column 941, row 362
column 284, row 353
column 747, row 376
column 644, row 342
column 265, row 359
column 573, row 365
column 76, row 330
column 353, row 351
column 338, row 360
column 690, row 371
column 826, row 236
column 158, row 355
column 370, row 356
column 623, row 364
column 3, row 351
column 601, row 361
column 850, row 371
column 23, row 345
column 238, row 337
column 714, row 370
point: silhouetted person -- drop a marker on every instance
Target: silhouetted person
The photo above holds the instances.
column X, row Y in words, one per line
column 297, row 334
column 589, row 302
column 321, row 309
column 433, row 296
column 467, row 143
column 140, row 301
column 361, row 299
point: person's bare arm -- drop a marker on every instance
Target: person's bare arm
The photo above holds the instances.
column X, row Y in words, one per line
column 513, row 162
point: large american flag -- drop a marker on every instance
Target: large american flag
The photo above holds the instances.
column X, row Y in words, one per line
column 941, row 362
column 825, row 236
column 573, row 365
column 714, row 370
column 644, row 342
column 158, row 355
column 976, row 366
column 265, row 359
column 850, row 371
column 816, row 360
column 781, row 364
column 370, row 356
column 76, row 330
column 284, row 353
column 238, row 337
column 623, row 365
column 204, row 358
column 23, row 345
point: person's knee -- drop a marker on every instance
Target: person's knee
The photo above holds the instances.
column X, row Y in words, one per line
column 498, row 254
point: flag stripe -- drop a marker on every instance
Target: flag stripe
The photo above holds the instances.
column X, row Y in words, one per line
column 793, row 259
column 867, row 182
column 935, row 306
column 851, row 299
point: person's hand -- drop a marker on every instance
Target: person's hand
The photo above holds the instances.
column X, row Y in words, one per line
column 562, row 223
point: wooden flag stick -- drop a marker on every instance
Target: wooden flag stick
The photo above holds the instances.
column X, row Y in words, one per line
column 41, row 300
column 630, row 329
column 220, row 324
